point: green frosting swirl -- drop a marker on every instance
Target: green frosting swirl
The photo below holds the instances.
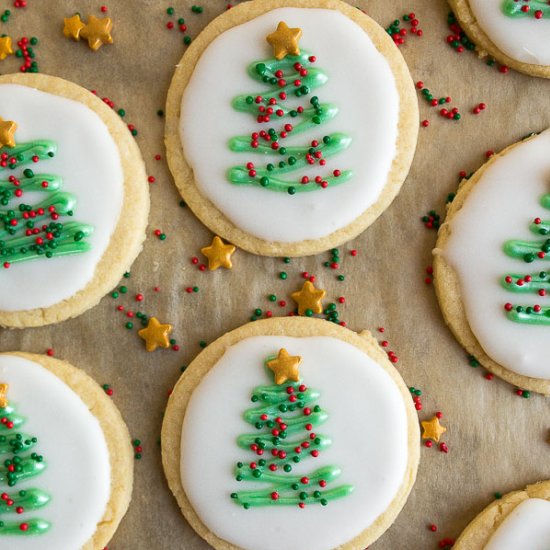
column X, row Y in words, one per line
column 531, row 283
column 18, row 465
column 284, row 160
column 295, row 443
column 513, row 8
column 25, row 232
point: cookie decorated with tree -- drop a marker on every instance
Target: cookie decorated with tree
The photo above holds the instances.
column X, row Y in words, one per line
column 324, row 140
column 279, row 457
column 73, row 199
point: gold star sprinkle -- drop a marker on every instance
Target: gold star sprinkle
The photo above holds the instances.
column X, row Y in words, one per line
column 284, row 41
column 218, row 254
column 432, row 429
column 7, row 131
column 72, row 27
column 155, row 335
column 97, row 32
column 309, row 298
column 5, row 47
column 285, row 367
column 3, row 398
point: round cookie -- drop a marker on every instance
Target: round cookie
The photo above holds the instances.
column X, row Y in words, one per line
column 490, row 264
column 279, row 141
column 67, row 461
column 515, row 32
column 74, row 200
column 290, row 433
column 517, row 520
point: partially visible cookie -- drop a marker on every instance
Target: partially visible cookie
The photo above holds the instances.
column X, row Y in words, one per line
column 515, row 32
column 74, row 200
column 67, row 461
column 290, row 433
column 517, row 520
column 280, row 141
column 492, row 277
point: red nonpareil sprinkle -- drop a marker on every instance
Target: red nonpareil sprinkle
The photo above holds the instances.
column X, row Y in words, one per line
column 433, row 527
column 151, row 179
column 50, row 352
column 443, row 448
column 489, row 376
column 103, row 9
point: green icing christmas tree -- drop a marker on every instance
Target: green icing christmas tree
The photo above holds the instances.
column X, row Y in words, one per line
column 536, row 282
column 37, row 230
column 285, row 418
column 286, row 109
column 18, row 463
column 526, row 8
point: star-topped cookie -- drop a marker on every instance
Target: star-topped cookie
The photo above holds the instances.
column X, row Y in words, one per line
column 302, row 162
column 275, row 405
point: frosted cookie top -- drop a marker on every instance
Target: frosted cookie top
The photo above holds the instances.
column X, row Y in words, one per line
column 522, row 34
column 61, row 483
column 62, row 192
column 527, row 526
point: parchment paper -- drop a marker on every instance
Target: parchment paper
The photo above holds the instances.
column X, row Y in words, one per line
column 496, row 440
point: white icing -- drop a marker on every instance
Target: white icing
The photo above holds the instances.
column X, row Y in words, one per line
column 78, row 473
column 500, row 207
column 367, row 423
column 524, row 39
column 361, row 85
column 527, row 526
column 88, row 160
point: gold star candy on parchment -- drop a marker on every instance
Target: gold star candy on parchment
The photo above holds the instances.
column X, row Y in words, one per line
column 7, row 133
column 432, row 429
column 155, row 335
column 97, row 32
column 72, row 27
column 218, row 254
column 3, row 396
column 285, row 367
column 309, row 298
column 284, row 41
column 5, row 47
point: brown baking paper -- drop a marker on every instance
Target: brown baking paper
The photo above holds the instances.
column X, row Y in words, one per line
column 496, row 440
